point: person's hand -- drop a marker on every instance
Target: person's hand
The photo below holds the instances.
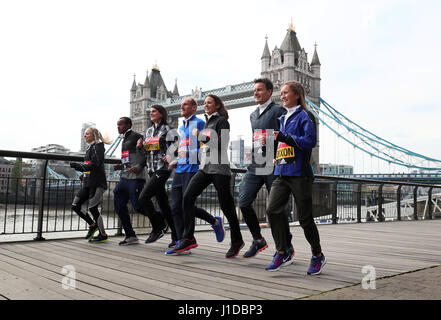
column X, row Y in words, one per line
column 195, row 132
column 276, row 133
column 134, row 170
column 173, row 164
column 263, row 140
column 182, row 154
column 116, row 167
column 167, row 159
column 139, row 143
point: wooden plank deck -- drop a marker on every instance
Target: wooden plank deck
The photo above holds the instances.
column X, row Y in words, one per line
column 33, row 270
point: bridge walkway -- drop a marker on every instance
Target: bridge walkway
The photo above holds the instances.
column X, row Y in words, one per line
column 34, row 270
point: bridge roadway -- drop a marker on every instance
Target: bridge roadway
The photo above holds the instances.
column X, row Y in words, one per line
column 234, row 96
column 429, row 178
column 397, row 250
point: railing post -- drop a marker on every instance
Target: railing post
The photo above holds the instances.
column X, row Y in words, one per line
column 359, row 203
column 380, row 215
column 415, row 203
column 43, row 170
column 399, row 203
column 429, row 203
column 334, row 202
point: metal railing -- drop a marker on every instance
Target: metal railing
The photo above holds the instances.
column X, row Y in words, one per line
column 40, row 206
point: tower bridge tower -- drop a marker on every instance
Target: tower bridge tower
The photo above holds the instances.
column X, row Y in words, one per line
column 153, row 89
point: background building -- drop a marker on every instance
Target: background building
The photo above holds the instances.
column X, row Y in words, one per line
column 6, row 168
column 335, row 169
column 237, row 153
column 153, row 89
column 61, row 167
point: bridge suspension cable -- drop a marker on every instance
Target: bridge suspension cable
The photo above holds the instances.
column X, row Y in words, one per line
column 369, row 143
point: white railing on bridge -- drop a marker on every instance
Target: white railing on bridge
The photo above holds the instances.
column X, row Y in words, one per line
column 407, row 208
column 389, row 175
column 229, row 90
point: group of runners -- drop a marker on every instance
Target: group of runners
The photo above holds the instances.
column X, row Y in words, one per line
column 282, row 142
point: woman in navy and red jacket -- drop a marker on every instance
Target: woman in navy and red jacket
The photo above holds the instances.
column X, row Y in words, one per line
column 296, row 138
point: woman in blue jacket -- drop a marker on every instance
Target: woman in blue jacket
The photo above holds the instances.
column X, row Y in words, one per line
column 296, row 138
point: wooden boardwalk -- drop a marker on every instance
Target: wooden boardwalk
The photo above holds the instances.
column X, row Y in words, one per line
column 34, row 270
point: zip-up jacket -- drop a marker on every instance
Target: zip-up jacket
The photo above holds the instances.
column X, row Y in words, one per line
column 132, row 157
column 260, row 123
column 214, row 156
column 94, row 175
column 189, row 144
column 294, row 145
column 155, row 147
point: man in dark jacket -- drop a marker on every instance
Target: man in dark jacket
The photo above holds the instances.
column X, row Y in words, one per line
column 264, row 120
column 132, row 178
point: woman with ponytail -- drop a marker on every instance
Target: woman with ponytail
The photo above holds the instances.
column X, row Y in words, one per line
column 94, row 184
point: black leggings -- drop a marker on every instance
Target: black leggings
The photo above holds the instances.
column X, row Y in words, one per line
column 222, row 184
column 93, row 196
column 156, row 188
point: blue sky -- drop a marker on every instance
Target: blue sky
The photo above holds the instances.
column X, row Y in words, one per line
column 64, row 63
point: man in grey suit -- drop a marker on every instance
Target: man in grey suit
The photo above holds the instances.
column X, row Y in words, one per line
column 264, row 120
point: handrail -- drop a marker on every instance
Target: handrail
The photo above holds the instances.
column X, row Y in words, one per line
column 411, row 184
column 49, row 156
column 57, row 156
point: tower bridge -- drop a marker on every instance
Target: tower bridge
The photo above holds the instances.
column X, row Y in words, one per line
column 286, row 63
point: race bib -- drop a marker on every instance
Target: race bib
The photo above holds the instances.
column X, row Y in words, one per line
column 285, row 153
column 125, row 158
column 86, row 172
column 183, row 147
column 257, row 136
column 151, row 143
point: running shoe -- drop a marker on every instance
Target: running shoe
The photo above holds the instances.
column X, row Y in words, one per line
column 129, row 240
column 280, row 260
column 91, row 232
column 317, row 265
column 185, row 245
column 219, row 229
column 98, row 239
column 172, row 252
column 256, row 247
column 155, row 235
column 234, row 250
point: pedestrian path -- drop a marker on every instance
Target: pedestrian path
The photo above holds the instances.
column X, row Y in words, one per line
column 422, row 284
column 406, row 258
